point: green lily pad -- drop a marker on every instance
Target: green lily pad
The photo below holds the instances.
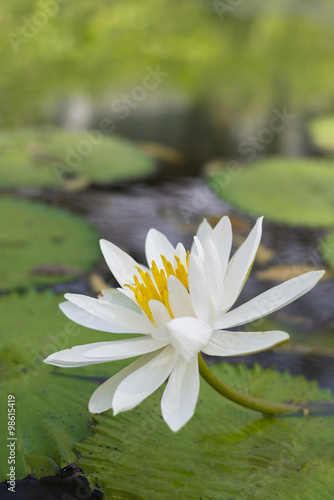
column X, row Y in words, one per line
column 51, row 404
column 326, row 249
column 294, row 191
column 53, row 158
column 224, row 452
column 322, row 132
column 42, row 245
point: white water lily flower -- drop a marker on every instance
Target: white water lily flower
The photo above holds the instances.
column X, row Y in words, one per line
column 180, row 305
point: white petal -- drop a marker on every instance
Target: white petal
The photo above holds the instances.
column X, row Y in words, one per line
column 197, row 248
column 101, row 399
column 213, row 275
column 222, row 238
column 179, row 399
column 188, row 335
column 159, row 312
column 122, row 266
column 101, row 352
column 122, row 320
column 74, row 357
column 269, row 301
column 157, row 244
column 144, row 381
column 204, row 231
column 85, row 318
column 119, row 298
column 199, row 294
column 161, row 316
column 123, row 349
column 179, row 298
column 128, row 293
column 240, row 265
column 181, row 253
column 224, row 343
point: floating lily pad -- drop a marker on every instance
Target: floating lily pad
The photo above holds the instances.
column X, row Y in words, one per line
column 322, row 132
column 294, row 191
column 43, row 245
column 224, row 449
column 326, row 249
column 224, row 452
column 53, row 158
column 51, row 404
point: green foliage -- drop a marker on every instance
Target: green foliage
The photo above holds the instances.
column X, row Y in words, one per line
column 290, row 190
column 50, row 157
column 43, row 245
column 51, row 414
column 322, row 132
column 225, row 451
column 326, row 249
column 51, row 404
column 249, row 55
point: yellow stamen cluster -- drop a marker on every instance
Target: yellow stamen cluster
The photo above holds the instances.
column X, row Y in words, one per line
column 156, row 288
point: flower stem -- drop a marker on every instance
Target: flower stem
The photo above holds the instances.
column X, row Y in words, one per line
column 267, row 407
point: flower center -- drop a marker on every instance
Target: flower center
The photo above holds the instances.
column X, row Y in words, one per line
column 156, row 288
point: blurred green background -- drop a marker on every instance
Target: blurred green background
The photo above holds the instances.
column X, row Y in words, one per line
column 117, row 116
column 228, row 64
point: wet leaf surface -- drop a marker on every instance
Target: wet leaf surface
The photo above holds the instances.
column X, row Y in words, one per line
column 51, row 404
column 59, row 159
column 43, row 245
column 224, row 452
column 295, row 191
